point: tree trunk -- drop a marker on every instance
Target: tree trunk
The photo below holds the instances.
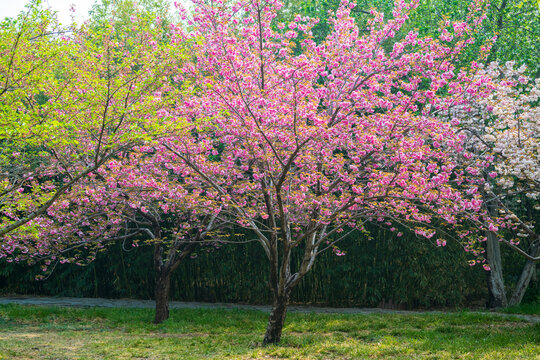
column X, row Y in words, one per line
column 276, row 320
column 526, row 274
column 495, row 280
column 163, row 285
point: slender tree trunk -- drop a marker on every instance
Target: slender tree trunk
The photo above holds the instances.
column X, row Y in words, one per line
column 277, row 319
column 164, row 267
column 163, row 286
column 495, row 280
column 526, row 274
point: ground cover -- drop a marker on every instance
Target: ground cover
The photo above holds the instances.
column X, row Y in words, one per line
column 528, row 309
column 34, row 332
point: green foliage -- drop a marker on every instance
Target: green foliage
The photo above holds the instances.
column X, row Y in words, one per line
column 515, row 22
column 122, row 10
column 71, row 100
column 518, row 27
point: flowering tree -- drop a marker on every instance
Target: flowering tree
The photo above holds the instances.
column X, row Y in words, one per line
column 70, row 103
column 108, row 91
column 503, row 130
column 135, row 198
column 310, row 142
column 143, row 194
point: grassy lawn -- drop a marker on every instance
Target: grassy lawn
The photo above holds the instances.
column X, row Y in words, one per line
column 30, row 332
column 528, row 309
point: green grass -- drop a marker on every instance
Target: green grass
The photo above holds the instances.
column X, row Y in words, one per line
column 528, row 309
column 31, row 332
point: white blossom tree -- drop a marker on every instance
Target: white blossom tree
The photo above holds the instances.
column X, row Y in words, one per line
column 504, row 131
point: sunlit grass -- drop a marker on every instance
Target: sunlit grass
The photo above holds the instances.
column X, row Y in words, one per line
column 31, row 332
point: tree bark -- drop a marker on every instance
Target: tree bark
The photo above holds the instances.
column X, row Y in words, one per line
column 526, row 274
column 495, row 280
column 276, row 320
column 163, row 286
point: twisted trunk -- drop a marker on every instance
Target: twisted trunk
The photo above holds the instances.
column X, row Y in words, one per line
column 166, row 262
column 164, row 270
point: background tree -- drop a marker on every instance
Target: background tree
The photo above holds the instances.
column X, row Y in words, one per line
column 133, row 198
column 122, row 12
column 517, row 25
column 32, row 57
column 503, row 130
column 99, row 96
column 514, row 22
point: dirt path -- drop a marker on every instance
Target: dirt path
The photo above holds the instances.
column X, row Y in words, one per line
column 132, row 303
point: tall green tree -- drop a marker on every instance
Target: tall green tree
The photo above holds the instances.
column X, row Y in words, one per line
column 69, row 103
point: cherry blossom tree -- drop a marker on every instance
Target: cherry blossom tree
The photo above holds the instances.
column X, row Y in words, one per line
column 309, row 142
column 152, row 197
column 135, row 198
column 503, row 130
